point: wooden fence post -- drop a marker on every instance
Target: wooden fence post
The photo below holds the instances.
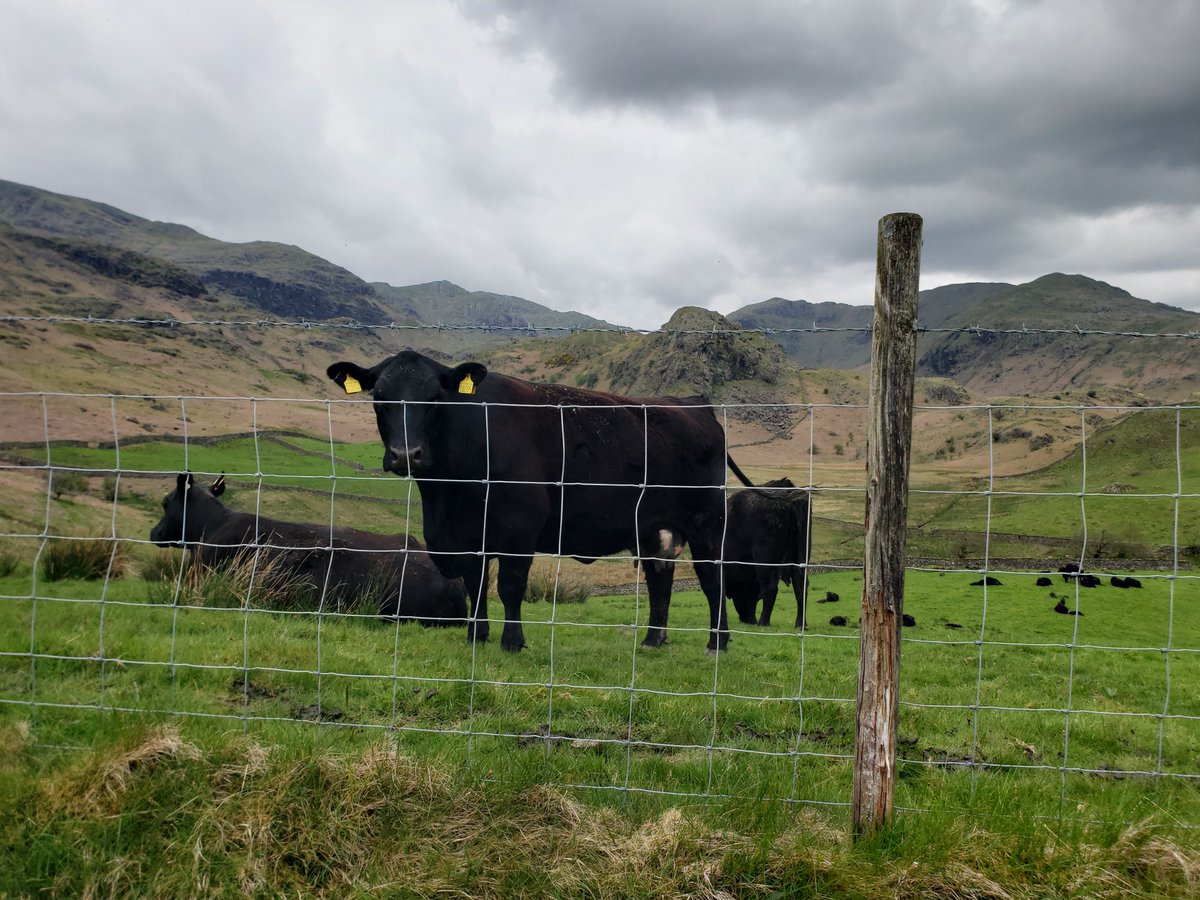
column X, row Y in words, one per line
column 889, row 448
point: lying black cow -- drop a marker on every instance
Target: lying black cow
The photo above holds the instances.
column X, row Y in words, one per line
column 767, row 538
column 392, row 566
column 508, row 468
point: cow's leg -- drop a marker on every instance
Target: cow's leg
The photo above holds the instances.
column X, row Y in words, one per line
column 800, row 586
column 744, row 595
column 475, row 578
column 709, row 574
column 511, row 581
column 659, row 579
column 768, row 588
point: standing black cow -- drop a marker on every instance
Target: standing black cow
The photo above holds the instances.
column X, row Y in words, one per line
column 767, row 538
column 392, row 566
column 508, row 468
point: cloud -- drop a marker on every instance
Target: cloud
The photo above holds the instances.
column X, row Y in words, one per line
column 626, row 158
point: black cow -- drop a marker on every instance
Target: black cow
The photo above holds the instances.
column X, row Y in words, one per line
column 507, row 468
column 767, row 538
column 393, row 566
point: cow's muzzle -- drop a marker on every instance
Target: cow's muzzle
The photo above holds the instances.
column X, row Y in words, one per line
column 160, row 538
column 404, row 461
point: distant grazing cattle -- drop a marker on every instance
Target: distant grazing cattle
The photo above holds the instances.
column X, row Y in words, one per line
column 1061, row 607
column 1043, row 581
column 830, row 597
column 1088, row 581
column 392, row 567
column 1069, row 571
column 1118, row 582
column 907, row 621
column 508, row 468
column 839, row 621
column 988, row 580
column 767, row 539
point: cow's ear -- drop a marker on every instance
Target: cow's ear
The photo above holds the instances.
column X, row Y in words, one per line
column 351, row 378
column 183, row 481
column 463, row 379
column 218, row 487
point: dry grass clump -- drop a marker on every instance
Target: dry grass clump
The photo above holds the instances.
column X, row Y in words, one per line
column 549, row 584
column 83, row 558
column 157, row 817
column 100, row 784
column 247, row 579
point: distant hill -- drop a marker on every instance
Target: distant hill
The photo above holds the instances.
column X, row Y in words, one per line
column 275, row 278
column 1011, row 364
column 97, row 254
column 279, row 279
column 848, row 350
column 1008, row 364
column 445, row 303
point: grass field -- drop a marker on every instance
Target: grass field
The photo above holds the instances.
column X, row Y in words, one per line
column 1056, row 753
column 772, row 717
column 335, row 716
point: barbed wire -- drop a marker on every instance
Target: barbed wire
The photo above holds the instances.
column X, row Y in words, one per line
column 534, row 330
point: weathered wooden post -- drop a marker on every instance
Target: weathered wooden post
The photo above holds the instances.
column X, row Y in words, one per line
column 889, row 448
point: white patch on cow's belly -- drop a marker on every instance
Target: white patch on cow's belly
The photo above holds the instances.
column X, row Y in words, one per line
column 670, row 545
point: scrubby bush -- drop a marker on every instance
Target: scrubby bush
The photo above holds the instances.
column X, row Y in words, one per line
column 86, row 558
column 1040, row 441
column 66, row 483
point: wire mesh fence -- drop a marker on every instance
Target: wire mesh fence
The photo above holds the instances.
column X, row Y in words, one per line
column 1069, row 679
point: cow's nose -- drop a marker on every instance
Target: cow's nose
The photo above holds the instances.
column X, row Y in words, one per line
column 402, row 462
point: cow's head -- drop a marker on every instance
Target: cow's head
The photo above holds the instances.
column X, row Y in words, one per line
column 189, row 511
column 410, row 392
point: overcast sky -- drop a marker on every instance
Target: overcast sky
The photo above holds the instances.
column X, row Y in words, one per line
column 627, row 157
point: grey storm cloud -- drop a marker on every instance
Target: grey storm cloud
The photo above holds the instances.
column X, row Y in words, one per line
column 624, row 158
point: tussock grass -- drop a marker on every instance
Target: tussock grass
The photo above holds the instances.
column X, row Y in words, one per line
column 10, row 562
column 87, row 559
column 548, row 584
column 155, row 814
column 261, row 580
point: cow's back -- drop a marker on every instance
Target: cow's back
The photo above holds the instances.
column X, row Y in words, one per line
column 593, row 464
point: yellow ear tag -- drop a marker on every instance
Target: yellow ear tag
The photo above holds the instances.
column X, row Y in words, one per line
column 467, row 385
column 351, row 385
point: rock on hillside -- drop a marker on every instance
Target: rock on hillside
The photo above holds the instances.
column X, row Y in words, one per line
column 696, row 353
column 701, row 352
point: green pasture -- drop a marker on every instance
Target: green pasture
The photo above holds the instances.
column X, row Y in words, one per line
column 1126, row 491
column 1071, row 714
column 1129, row 499
column 280, row 461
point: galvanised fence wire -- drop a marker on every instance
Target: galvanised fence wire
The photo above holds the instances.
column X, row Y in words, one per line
column 1101, row 686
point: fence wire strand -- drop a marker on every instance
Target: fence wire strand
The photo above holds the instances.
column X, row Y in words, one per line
column 486, row 704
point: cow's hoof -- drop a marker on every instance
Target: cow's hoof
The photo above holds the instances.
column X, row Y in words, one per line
column 513, row 638
column 477, row 634
column 763, row 623
column 654, row 639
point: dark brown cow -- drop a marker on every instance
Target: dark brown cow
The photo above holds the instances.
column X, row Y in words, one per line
column 508, row 468
column 394, row 567
column 767, row 539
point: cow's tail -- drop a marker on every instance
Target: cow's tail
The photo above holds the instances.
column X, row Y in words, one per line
column 738, row 472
